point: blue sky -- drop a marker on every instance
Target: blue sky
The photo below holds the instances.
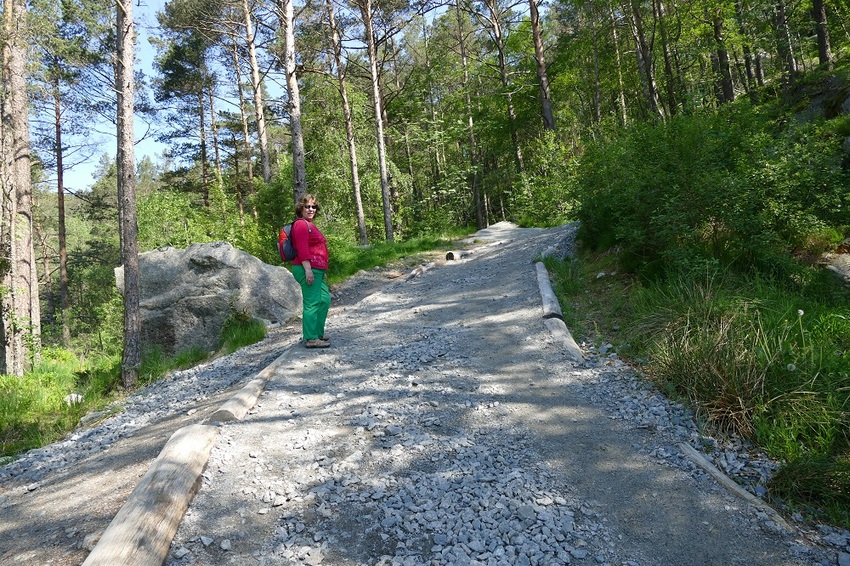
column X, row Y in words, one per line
column 83, row 176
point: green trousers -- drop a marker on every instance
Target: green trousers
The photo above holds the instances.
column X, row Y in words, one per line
column 316, row 302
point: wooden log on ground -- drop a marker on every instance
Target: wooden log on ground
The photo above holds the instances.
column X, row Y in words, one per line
column 553, row 319
column 142, row 531
column 458, row 254
column 730, row 484
column 551, row 306
column 240, row 403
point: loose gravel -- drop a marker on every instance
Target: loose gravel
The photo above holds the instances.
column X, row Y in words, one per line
column 445, row 426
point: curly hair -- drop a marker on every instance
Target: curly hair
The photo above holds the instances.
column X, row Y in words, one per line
column 303, row 201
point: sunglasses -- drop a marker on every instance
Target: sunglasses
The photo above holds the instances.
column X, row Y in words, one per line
column 313, row 206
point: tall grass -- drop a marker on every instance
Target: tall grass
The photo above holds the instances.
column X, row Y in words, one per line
column 33, row 408
column 751, row 356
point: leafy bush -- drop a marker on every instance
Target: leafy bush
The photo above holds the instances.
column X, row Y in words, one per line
column 724, row 186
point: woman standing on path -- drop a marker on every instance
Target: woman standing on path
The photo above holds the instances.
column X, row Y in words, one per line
column 310, row 268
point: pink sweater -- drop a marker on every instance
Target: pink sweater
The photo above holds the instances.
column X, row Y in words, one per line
column 310, row 244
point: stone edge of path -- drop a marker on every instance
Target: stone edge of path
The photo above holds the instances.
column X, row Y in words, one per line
column 141, row 532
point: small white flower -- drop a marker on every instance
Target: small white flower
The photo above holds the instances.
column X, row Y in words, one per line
column 792, row 367
column 800, row 312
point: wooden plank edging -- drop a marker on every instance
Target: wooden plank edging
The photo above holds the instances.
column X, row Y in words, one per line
column 730, row 484
column 240, row 403
column 553, row 319
column 142, row 531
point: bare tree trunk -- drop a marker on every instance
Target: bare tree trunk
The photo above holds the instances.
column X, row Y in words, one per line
column 299, row 168
column 214, row 129
column 621, row 92
column 21, row 311
column 377, row 102
column 477, row 201
column 246, row 136
column 259, row 107
column 349, row 126
column 60, row 206
column 784, row 44
column 670, row 80
column 499, row 38
column 542, row 76
column 726, row 89
column 822, row 31
column 645, row 62
column 205, row 168
column 126, row 165
column 597, row 88
column 748, row 55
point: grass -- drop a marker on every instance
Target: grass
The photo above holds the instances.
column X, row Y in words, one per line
column 750, row 356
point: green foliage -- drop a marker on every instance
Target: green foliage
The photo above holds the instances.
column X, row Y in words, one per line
column 724, row 186
column 819, row 486
column 542, row 196
column 171, row 218
column 33, row 409
column 156, row 364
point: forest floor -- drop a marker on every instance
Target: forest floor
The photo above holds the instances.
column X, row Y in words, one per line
column 444, row 425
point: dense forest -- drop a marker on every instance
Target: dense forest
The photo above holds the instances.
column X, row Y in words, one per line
column 686, row 135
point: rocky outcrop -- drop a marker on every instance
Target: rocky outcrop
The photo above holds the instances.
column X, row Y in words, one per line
column 188, row 294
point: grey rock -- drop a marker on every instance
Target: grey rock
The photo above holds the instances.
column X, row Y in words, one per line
column 187, row 294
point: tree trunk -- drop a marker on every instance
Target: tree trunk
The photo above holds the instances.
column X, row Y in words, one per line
column 246, row 136
column 670, row 79
column 726, row 89
column 477, row 201
column 748, row 55
column 259, row 107
column 542, row 76
column 377, row 103
column 349, row 126
column 645, row 62
column 202, row 131
column 784, row 45
column 822, row 31
column 126, row 165
column 60, row 206
column 21, row 328
column 621, row 92
column 597, row 83
column 299, row 168
column 214, row 130
column 499, row 38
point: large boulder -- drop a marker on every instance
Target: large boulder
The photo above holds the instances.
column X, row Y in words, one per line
column 187, row 294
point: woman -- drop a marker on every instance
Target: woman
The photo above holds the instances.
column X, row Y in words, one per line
column 310, row 268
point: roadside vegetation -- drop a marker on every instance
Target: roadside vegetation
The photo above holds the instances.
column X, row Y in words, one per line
column 700, row 242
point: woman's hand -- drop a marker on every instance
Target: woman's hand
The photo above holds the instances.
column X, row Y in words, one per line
column 308, row 272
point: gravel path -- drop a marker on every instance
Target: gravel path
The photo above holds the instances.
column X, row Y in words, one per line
column 443, row 426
